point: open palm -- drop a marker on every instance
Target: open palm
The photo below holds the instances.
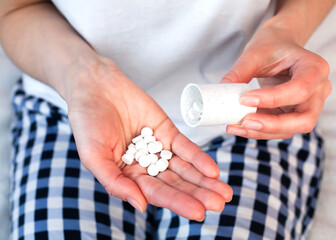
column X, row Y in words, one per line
column 107, row 115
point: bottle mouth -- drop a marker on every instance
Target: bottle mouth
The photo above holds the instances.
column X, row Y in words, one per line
column 219, row 103
column 191, row 94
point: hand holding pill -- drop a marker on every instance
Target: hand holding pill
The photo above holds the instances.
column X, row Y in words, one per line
column 149, row 158
column 134, row 150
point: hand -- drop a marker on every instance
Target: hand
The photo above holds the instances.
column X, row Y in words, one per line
column 294, row 85
column 106, row 111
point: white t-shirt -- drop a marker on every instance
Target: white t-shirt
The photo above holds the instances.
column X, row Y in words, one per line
column 163, row 45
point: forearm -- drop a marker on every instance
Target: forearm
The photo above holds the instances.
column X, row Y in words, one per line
column 43, row 44
column 299, row 18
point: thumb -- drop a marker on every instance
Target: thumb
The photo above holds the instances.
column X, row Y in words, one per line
column 244, row 69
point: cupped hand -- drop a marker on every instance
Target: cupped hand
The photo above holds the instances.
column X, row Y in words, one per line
column 107, row 110
column 294, row 86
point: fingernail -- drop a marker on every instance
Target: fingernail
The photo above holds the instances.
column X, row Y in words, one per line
column 253, row 125
column 220, row 209
column 237, row 131
column 229, row 197
column 134, row 204
column 201, row 220
column 249, row 101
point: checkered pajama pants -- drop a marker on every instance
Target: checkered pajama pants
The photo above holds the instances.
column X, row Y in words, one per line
column 275, row 185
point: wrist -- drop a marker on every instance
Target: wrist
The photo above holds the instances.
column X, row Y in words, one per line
column 83, row 76
column 283, row 29
column 83, row 73
column 299, row 18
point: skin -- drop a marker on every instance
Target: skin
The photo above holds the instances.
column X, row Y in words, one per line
column 104, row 118
column 294, row 80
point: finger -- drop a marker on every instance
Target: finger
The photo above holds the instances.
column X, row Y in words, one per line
column 303, row 120
column 307, row 74
column 189, row 173
column 289, row 123
column 242, row 132
column 160, row 194
column 210, row 199
column 115, row 183
column 181, row 146
column 244, row 69
column 193, row 154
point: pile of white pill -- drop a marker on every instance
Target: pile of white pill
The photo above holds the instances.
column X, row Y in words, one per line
column 195, row 112
column 146, row 150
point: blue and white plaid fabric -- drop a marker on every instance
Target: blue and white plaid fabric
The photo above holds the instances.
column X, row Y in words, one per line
column 275, row 185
